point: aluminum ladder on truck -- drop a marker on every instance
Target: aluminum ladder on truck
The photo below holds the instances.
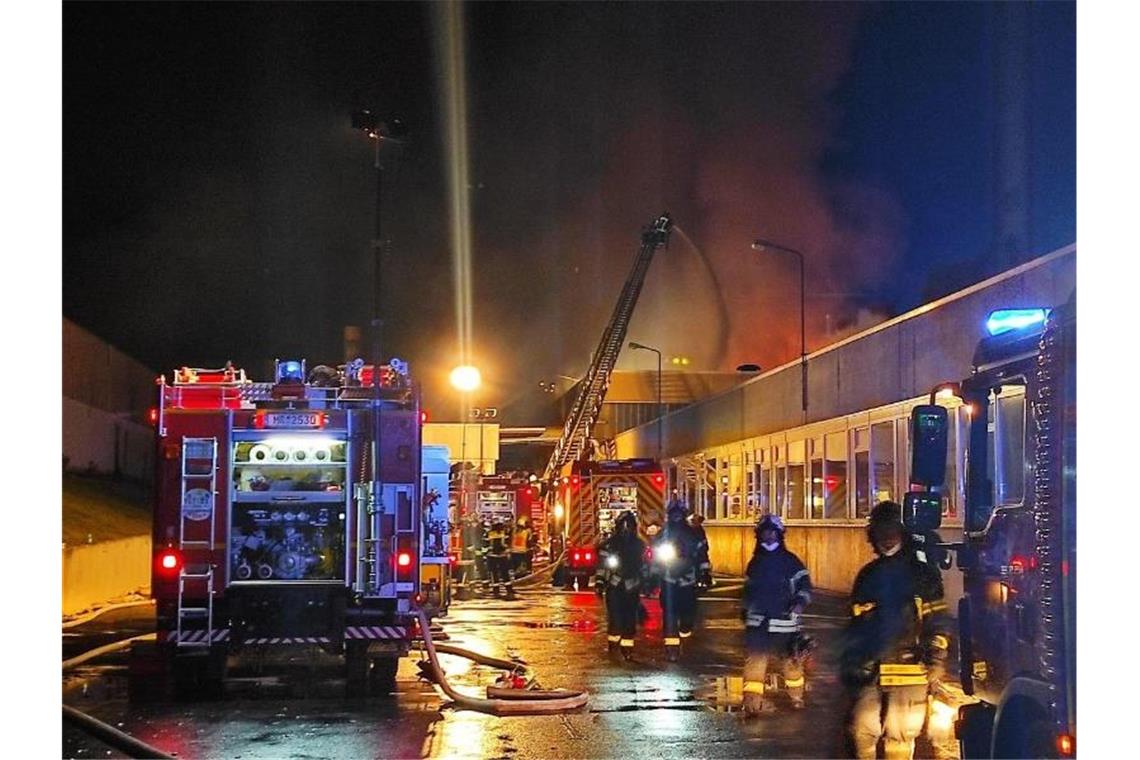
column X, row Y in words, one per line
column 580, row 423
column 199, row 497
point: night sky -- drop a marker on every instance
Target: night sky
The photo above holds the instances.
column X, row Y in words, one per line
column 218, row 206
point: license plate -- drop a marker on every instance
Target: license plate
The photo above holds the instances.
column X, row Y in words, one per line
column 293, row 419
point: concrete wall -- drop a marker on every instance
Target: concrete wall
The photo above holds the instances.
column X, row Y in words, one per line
column 900, row 359
column 95, row 573
column 106, row 398
column 833, row 552
column 99, row 441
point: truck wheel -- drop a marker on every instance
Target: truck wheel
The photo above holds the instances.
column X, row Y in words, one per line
column 356, row 668
column 148, row 672
column 382, row 677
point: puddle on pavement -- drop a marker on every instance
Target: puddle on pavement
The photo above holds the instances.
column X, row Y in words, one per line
column 724, row 694
column 581, row 626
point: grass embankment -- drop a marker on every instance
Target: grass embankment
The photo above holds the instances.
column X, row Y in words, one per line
column 97, row 509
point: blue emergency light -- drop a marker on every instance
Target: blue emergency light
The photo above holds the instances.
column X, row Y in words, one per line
column 1008, row 320
column 290, row 372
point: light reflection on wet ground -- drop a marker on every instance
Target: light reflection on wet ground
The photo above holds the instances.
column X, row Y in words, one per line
column 295, row 707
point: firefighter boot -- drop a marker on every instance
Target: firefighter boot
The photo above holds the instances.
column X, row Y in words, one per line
column 613, row 643
column 627, row 649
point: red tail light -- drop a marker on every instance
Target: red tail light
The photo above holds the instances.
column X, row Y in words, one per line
column 170, row 561
column 403, row 559
column 1066, row 745
column 659, row 480
column 152, row 415
column 577, row 557
column 589, row 556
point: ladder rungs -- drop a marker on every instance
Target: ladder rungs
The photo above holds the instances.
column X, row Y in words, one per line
column 196, row 543
column 191, row 612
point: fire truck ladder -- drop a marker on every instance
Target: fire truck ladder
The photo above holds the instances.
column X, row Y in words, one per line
column 579, row 425
column 196, row 479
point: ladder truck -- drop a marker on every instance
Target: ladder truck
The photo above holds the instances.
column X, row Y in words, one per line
column 575, row 441
column 281, row 521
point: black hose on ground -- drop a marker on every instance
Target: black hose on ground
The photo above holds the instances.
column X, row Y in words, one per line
column 112, row 736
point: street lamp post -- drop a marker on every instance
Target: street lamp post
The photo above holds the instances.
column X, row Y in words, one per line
column 636, row 345
column 763, row 245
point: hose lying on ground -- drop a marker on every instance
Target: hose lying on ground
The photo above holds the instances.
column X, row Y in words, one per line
column 111, row 736
column 526, row 701
column 105, row 649
column 538, row 575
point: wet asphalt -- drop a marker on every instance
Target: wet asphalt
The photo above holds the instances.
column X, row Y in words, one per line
column 293, row 706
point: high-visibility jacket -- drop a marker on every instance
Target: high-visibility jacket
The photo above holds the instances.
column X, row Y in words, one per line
column 520, row 540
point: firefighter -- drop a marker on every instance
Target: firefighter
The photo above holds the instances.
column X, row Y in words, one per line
column 619, row 577
column 675, row 556
column 472, row 549
column 520, row 545
column 704, row 565
column 896, row 641
column 776, row 591
column 498, row 559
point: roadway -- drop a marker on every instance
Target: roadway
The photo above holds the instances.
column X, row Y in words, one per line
column 294, row 706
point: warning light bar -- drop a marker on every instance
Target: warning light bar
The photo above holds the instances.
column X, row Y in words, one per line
column 1008, row 320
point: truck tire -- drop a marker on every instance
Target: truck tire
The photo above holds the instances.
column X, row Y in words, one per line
column 382, row 676
column 356, row 668
column 148, row 672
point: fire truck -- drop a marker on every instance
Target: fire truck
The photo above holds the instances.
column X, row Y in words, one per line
column 292, row 513
column 588, row 500
column 1017, row 616
column 488, row 499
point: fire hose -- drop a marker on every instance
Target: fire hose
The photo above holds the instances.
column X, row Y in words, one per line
column 505, row 701
column 538, row 575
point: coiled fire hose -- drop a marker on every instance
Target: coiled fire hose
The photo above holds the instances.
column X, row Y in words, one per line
column 506, row 701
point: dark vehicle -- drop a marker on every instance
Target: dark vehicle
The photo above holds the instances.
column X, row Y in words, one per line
column 1018, row 559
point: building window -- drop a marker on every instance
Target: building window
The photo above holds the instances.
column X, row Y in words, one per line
column 883, row 461
column 816, row 486
column 862, row 438
column 835, row 476
column 795, row 493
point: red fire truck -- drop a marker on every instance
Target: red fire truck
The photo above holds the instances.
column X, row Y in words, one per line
column 588, row 500
column 274, row 526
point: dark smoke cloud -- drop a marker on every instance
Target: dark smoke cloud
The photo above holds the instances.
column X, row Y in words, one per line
column 718, row 114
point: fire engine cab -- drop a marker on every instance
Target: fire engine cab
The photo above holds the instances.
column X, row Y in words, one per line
column 288, row 513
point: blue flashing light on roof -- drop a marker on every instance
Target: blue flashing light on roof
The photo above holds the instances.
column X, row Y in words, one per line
column 290, row 372
column 1008, row 320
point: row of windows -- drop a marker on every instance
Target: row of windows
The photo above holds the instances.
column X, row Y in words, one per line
column 839, row 469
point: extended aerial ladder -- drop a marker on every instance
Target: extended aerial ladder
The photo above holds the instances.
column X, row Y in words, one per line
column 579, row 427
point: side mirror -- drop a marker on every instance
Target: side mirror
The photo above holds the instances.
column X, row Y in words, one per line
column 922, row 512
column 929, row 435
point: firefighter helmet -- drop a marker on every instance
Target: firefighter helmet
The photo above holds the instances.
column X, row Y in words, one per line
column 886, row 517
column 772, row 522
column 676, row 511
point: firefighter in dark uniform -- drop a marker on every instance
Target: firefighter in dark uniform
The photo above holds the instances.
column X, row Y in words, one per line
column 896, row 641
column 621, row 560
column 675, row 557
column 498, row 557
column 704, row 564
column 776, row 591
